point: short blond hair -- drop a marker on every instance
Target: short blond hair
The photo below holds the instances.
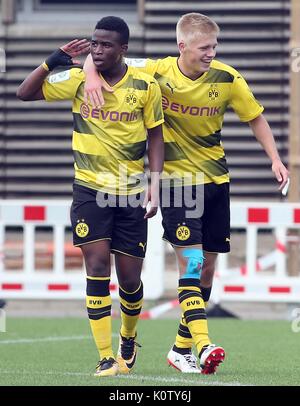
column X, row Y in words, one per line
column 192, row 24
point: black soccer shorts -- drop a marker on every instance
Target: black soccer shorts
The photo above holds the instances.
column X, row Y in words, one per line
column 210, row 227
column 125, row 227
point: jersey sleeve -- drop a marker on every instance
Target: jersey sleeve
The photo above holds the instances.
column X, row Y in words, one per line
column 243, row 101
column 62, row 85
column 148, row 66
column 153, row 112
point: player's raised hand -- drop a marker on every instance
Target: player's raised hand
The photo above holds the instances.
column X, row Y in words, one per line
column 280, row 172
column 76, row 47
column 64, row 56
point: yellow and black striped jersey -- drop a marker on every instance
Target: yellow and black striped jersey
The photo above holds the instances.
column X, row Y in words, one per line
column 194, row 112
column 109, row 143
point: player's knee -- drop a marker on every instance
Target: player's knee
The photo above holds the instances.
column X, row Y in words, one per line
column 130, row 285
column 97, row 267
column 194, row 262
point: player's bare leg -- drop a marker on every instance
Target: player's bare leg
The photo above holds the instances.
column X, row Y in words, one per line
column 208, row 271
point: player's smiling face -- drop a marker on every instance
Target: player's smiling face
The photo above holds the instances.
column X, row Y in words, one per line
column 106, row 49
column 198, row 53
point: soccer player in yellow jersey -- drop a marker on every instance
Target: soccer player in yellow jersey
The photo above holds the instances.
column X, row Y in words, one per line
column 109, row 195
column 196, row 91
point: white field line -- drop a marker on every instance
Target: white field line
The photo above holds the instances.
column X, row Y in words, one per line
column 143, row 378
column 47, row 339
column 159, row 379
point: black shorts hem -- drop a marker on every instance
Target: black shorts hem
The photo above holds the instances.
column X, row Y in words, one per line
column 182, row 246
column 220, row 251
column 88, row 242
column 114, row 250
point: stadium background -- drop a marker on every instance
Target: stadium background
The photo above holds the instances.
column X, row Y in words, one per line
column 35, row 137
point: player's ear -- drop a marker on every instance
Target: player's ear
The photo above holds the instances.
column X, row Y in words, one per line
column 181, row 46
column 124, row 48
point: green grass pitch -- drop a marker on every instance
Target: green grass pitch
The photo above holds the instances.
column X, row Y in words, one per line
column 62, row 352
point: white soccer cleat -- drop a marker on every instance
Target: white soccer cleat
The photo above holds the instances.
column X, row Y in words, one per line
column 186, row 363
column 210, row 359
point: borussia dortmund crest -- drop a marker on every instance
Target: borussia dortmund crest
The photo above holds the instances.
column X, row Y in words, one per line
column 213, row 92
column 82, row 229
column 183, row 233
column 131, row 98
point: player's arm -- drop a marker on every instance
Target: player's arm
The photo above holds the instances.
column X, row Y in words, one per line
column 263, row 134
column 153, row 119
column 95, row 85
column 31, row 88
column 156, row 163
column 250, row 110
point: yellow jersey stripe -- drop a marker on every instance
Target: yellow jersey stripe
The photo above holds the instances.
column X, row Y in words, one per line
column 194, row 113
column 109, row 143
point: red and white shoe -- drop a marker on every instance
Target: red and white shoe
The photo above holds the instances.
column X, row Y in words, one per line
column 186, row 363
column 210, row 359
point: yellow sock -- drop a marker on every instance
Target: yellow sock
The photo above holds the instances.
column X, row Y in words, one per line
column 98, row 302
column 131, row 306
column 184, row 338
column 193, row 308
